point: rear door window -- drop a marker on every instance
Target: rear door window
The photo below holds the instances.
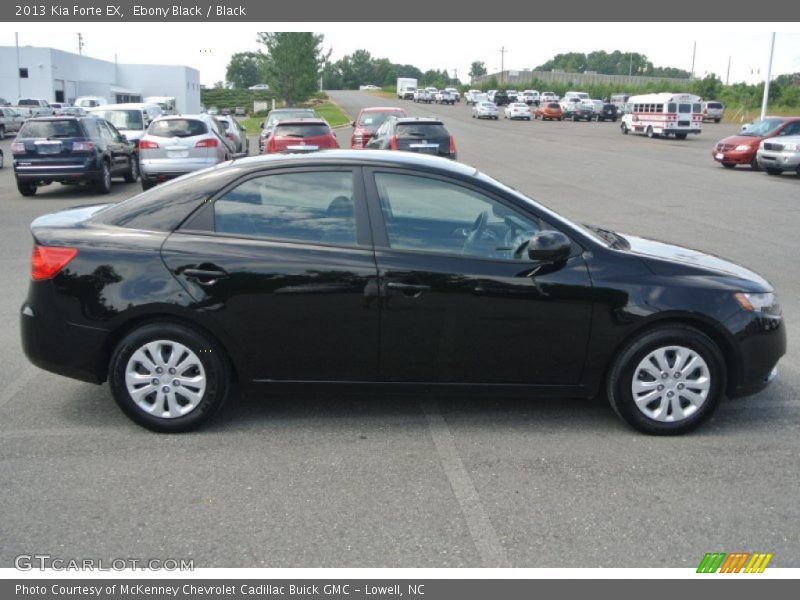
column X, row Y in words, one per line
column 177, row 128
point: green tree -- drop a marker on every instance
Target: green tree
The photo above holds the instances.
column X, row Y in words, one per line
column 477, row 69
column 244, row 69
column 708, row 88
column 293, row 63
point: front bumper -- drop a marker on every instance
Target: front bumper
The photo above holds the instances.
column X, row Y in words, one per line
column 761, row 342
column 785, row 161
column 733, row 157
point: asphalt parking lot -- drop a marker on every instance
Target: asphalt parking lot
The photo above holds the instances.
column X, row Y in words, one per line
column 365, row 481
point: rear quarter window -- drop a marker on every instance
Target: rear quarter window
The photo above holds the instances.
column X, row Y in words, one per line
column 177, row 128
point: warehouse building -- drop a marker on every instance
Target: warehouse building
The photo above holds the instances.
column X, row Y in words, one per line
column 58, row 76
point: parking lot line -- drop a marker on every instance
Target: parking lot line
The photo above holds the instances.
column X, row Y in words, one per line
column 480, row 527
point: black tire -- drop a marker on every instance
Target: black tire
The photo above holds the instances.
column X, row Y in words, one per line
column 620, row 378
column 2, row 132
column 133, row 171
column 650, row 133
column 717, row 120
column 103, row 183
column 729, row 165
column 624, row 129
column 211, row 357
column 146, row 184
column 681, row 136
column 754, row 164
column 26, row 188
column 771, row 171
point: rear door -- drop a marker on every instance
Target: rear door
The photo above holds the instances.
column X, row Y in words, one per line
column 284, row 261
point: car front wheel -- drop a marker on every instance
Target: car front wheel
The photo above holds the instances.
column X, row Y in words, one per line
column 168, row 377
column 103, row 184
column 667, row 381
column 133, row 170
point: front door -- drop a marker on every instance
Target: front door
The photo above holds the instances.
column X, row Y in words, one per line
column 462, row 302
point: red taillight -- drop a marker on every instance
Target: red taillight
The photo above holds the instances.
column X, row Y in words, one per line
column 47, row 261
column 393, row 143
column 272, row 145
column 452, row 146
column 207, row 143
column 82, row 146
column 147, row 145
column 18, row 148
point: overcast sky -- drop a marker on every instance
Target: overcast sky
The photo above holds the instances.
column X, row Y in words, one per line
column 208, row 46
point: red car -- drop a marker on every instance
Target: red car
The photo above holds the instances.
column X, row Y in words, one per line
column 368, row 121
column 741, row 149
column 298, row 135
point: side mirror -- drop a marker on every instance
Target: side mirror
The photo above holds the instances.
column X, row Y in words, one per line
column 353, row 124
column 549, row 246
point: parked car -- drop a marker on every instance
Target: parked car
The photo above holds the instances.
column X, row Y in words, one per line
column 713, row 111
column 71, row 150
column 608, row 112
column 548, row 97
column 369, row 120
column 301, row 135
column 212, row 110
column 4, row 102
column 471, row 96
column 777, row 156
column 500, row 98
column 239, row 111
column 485, row 110
column 10, row 121
column 70, row 111
column 131, row 119
column 437, row 276
column 456, row 94
column 548, row 111
column 178, row 144
column 88, row 102
column 512, row 95
column 741, row 149
column 582, row 110
column 518, row 110
column 236, row 134
column 597, row 108
column 530, row 97
column 424, row 135
column 490, row 95
column 445, row 97
column 33, row 107
column 425, row 96
column 276, row 116
column 259, row 86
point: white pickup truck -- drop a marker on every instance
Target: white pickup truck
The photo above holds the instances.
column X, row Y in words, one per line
column 426, row 95
column 33, row 107
column 445, row 97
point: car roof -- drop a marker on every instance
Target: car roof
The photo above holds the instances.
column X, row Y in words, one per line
column 383, row 109
column 359, row 157
column 125, row 106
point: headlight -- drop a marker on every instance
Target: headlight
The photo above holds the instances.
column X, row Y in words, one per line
column 765, row 303
column 742, row 148
column 791, row 147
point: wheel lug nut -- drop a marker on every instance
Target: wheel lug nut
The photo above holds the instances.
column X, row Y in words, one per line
column 664, row 375
column 670, row 394
column 165, row 389
column 660, row 387
column 155, row 381
column 680, row 386
column 159, row 370
column 172, row 370
column 678, row 375
column 176, row 383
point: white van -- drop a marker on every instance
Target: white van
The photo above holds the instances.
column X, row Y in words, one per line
column 131, row 119
column 665, row 114
column 88, row 102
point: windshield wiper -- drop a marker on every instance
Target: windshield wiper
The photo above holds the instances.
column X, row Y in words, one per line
column 614, row 239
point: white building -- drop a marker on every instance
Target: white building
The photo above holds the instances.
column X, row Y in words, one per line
column 59, row 76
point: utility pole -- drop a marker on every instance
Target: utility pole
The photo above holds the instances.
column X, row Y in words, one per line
column 630, row 66
column 728, row 76
column 769, row 76
column 455, row 73
column 80, row 44
column 502, row 64
column 694, row 54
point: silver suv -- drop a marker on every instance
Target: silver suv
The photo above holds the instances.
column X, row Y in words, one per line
column 779, row 154
column 713, row 111
column 179, row 144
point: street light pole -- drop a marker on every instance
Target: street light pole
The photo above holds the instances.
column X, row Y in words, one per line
column 769, row 76
column 502, row 64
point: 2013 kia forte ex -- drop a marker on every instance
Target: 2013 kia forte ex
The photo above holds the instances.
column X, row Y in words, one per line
column 369, row 268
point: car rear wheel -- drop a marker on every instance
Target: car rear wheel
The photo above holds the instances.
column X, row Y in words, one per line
column 667, row 381
column 103, row 184
column 624, row 129
column 146, row 184
column 650, row 133
column 133, row 172
column 26, row 188
column 168, row 377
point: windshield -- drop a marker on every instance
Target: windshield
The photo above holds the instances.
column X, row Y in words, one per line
column 122, row 119
column 67, row 128
column 274, row 117
column 180, row 128
column 763, row 128
column 301, row 130
column 374, row 119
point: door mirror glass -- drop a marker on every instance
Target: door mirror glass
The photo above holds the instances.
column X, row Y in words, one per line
column 549, row 246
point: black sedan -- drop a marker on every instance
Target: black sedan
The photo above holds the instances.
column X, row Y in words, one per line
column 424, row 135
column 360, row 268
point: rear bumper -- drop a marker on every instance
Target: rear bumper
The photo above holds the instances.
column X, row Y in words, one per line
column 161, row 168
column 88, row 171
column 43, row 341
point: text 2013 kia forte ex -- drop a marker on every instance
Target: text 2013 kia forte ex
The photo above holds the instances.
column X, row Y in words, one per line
column 385, row 269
